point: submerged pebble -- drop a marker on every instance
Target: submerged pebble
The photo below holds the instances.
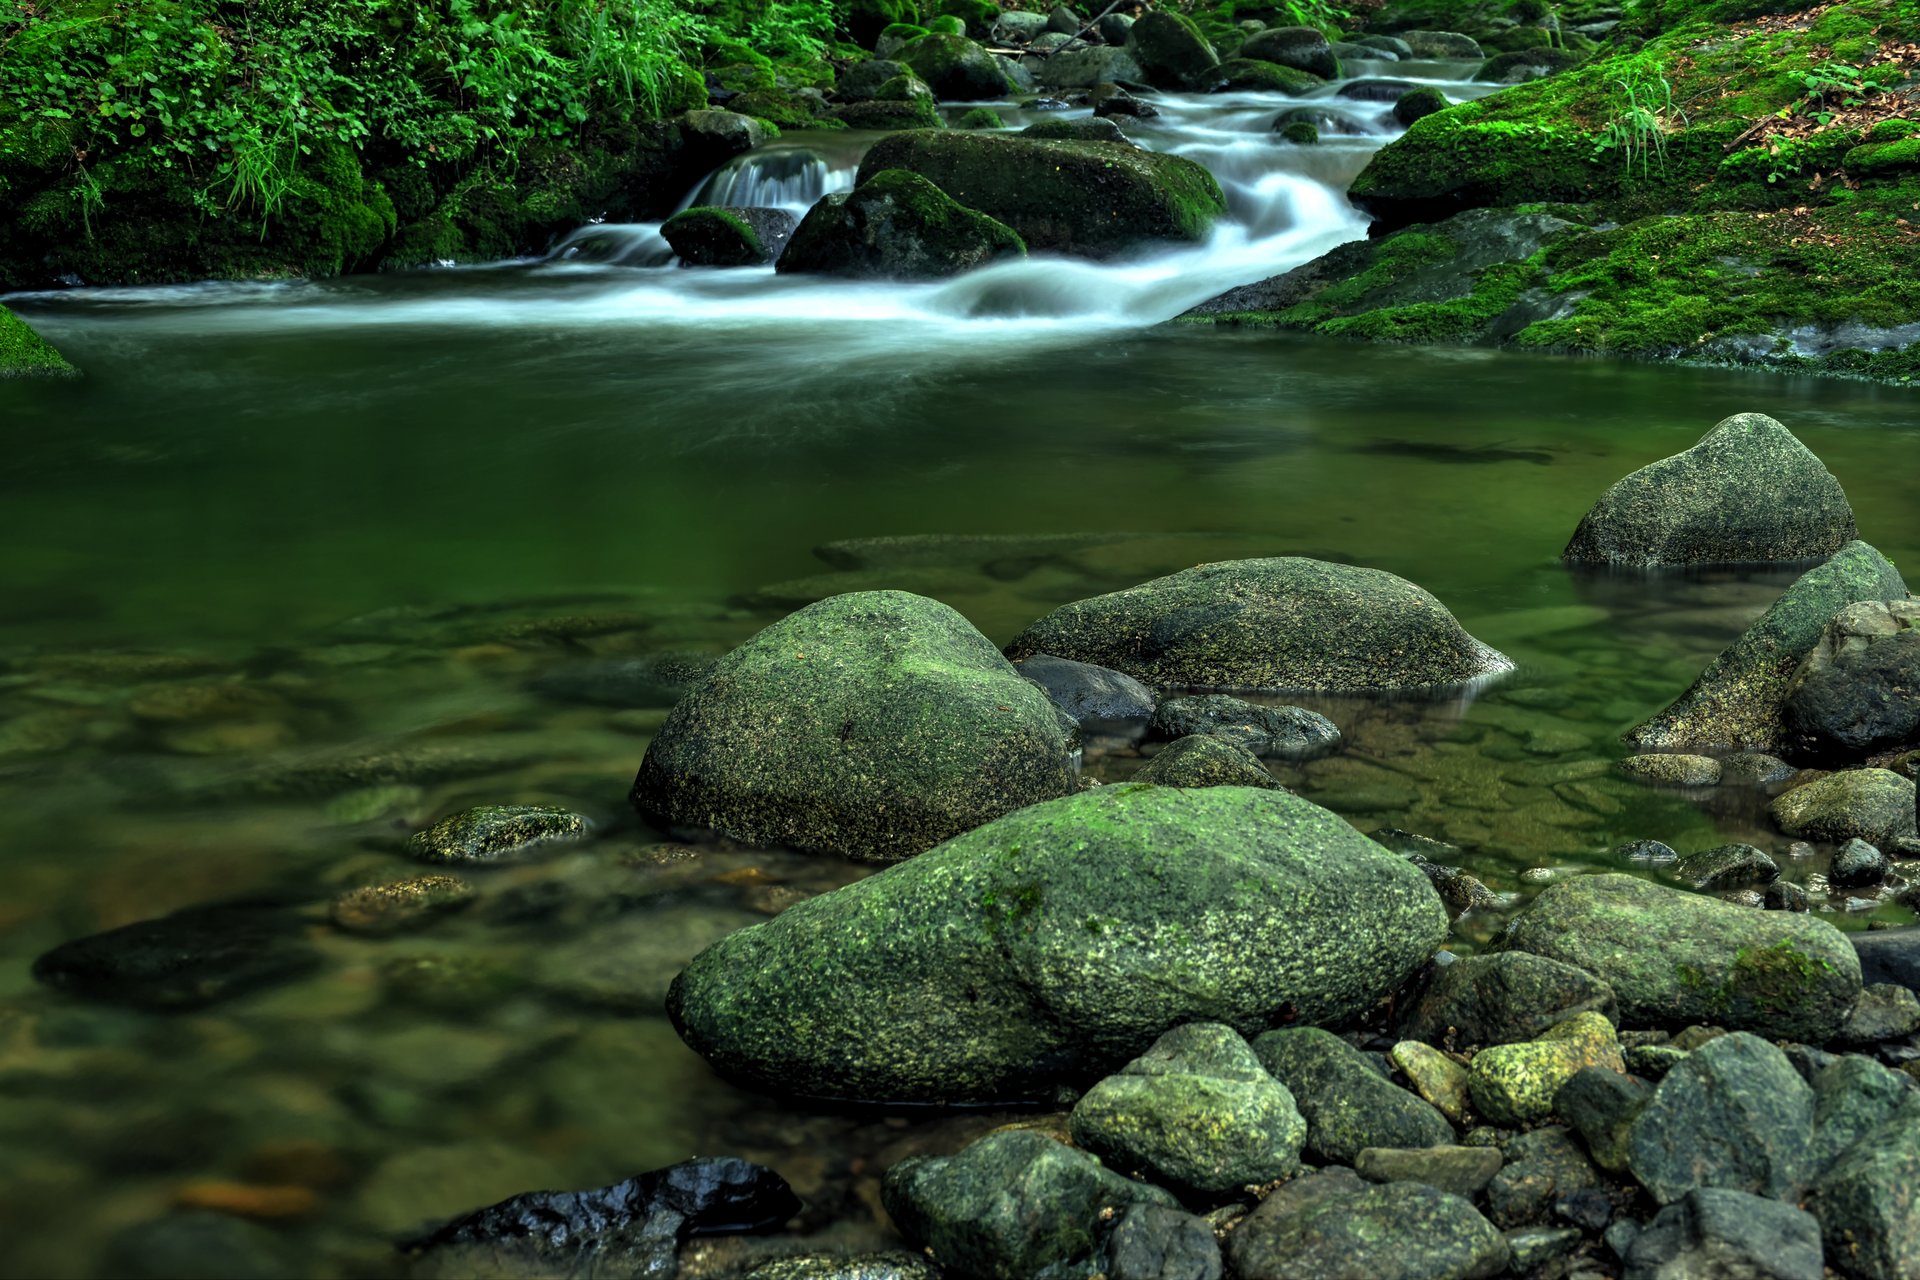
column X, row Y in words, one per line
column 498, row 833
column 402, row 904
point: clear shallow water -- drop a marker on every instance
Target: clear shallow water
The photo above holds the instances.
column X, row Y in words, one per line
column 404, row 514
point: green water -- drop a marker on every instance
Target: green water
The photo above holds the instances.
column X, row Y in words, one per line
column 385, row 509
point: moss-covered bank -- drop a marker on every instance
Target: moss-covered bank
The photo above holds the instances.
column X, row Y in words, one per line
column 25, row 354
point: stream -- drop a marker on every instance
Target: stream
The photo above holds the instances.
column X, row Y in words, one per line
column 402, row 540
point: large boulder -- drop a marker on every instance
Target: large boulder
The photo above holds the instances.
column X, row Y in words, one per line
column 1749, row 491
column 1739, row 700
column 1875, row 805
column 25, row 354
column 1675, row 958
column 896, row 225
column 1302, row 48
column 873, row 725
column 957, row 69
column 1171, row 51
column 1858, row 692
column 1092, row 199
column 1279, row 624
column 1058, row 943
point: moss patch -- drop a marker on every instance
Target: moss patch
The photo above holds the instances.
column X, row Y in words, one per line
column 25, row 354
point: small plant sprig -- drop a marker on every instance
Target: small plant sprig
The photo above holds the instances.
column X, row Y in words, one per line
column 1639, row 131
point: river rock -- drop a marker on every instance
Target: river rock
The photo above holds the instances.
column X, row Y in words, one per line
column 957, row 69
column 1170, row 50
column 1503, row 998
column 1884, row 1012
column 1544, row 1169
column 1196, row 1112
column 863, row 81
column 1348, row 1102
column 1755, row 769
column 1016, row 27
column 1279, row 624
column 1857, row 865
column 1450, row 45
column 1875, row 805
column 1515, row 1084
column 1675, row 958
column 1079, row 129
column 1059, row 942
column 1436, row 1077
column 872, row 725
column 1714, row 1232
column 896, row 225
column 1733, row 1113
column 1869, row 1202
column 1672, row 770
column 1749, row 491
column 718, row 136
column 1889, row 955
column 1099, row 700
column 1333, row 1224
column 1085, row 68
column 1739, row 700
column 1016, row 1205
column 496, row 833
column 1601, row 1104
column 1462, row 1171
column 1854, row 695
column 1418, row 104
column 184, row 960
column 1302, row 48
column 1852, row 1097
column 1153, row 1242
column 1289, row 733
column 1087, row 199
column 380, row 909
column 1731, row 866
column 1112, row 100
column 1203, row 760
column 728, row 237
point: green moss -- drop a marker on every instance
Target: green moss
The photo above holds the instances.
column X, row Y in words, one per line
column 981, row 118
column 1303, row 133
column 25, row 354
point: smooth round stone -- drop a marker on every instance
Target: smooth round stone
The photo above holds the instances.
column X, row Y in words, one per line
column 1875, row 805
column 402, row 904
column 1672, row 770
column 497, row 833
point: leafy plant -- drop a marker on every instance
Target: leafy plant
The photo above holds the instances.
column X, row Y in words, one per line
column 1639, row 131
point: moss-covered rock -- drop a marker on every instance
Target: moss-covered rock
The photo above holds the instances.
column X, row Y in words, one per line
column 1739, row 700
column 1333, row 1224
column 1348, row 1103
column 1418, row 104
column 1085, row 198
column 1195, row 1112
column 895, row 37
column 1869, row 1202
column 1675, row 958
column 1727, row 866
column 728, row 237
column 1078, row 129
column 25, row 354
column 1748, row 491
column 1279, row 624
column 1059, row 942
column 1875, row 805
column 1205, row 760
column 889, row 114
column 1301, row 133
column 896, row 225
column 1502, row 998
column 864, row 80
column 1250, row 75
column 1515, row 1084
column 1291, row 733
column 498, row 833
column 1671, row 770
column 1301, row 48
column 1521, row 65
column 866, row 19
column 1171, row 52
column 872, row 725
column 957, row 69
column 980, row 118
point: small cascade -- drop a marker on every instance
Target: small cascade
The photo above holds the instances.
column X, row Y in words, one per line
column 615, row 244
column 777, row 177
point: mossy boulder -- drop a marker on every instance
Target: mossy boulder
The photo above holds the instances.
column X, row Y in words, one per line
column 1349, row 1104
column 1875, row 805
column 1749, row 491
column 1675, row 958
column 1251, row 75
column 728, row 237
column 957, row 69
column 1089, row 199
column 1515, row 1084
column 890, row 115
column 1204, row 760
column 1195, row 1112
column 1442, row 44
column 25, row 354
column 866, row 19
column 1170, row 50
column 896, row 225
column 873, row 725
column 1301, row 48
column 896, row 37
column 1058, row 943
column 864, row 80
column 1079, row 129
column 1418, row 104
column 1282, row 624
column 1521, row 65
column 1333, row 1224
column 980, row 118
column 1739, row 700
column 1301, row 133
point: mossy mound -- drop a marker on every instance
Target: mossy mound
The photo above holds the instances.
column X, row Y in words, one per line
column 725, row 237
column 957, row 69
column 1091, row 199
column 1251, row 75
column 1171, row 51
column 1058, row 943
column 897, row 225
column 25, row 354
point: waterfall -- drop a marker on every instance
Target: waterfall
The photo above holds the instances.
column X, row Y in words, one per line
column 776, row 177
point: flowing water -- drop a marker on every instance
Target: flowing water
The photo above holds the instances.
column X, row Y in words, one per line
column 302, row 566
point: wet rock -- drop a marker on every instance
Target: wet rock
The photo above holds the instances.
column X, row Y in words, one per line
column 199, row 1245
column 1875, row 805
column 1302, row 48
column 381, row 909
column 1601, row 1104
column 1016, row 27
column 895, row 1265
column 896, row 225
column 184, row 960
column 1738, row 701
column 1532, row 1248
column 1418, row 104
column 1434, row 1076
column 25, row 354
column 1087, row 199
column 1889, row 955
column 1515, row 1084
column 1015, row 956
column 1099, row 700
column 728, row 237
column 956, row 68
column 1884, row 1012
column 497, row 833
column 1853, row 694
column 1715, row 1232
column 630, row 1227
column 1441, row 44
column 1196, row 1112
column 863, row 81
column 1289, row 733
column 1673, row 957
column 1203, row 760
column 1399, row 48
column 1250, row 75
column 1091, row 129
column 1373, row 90
column 1543, row 1168
column 718, row 136
column 1014, row 1204
column 1784, row 895
column 1672, row 771
column 1731, row 866
column 1085, row 68
column 1649, row 851
column 1522, row 65
column 1170, row 51
column 1734, row 1114
column 1754, row 768
column 1112, row 100
column 1347, row 1102
column 872, row 725
column 1868, row 1204
column 1332, row 1223
column 1461, row 1171
column 1279, row 624
column 1503, row 998
column 1153, row 1242
column 1857, row 865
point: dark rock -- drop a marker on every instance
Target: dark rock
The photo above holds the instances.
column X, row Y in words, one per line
column 728, row 237
column 1450, row 45
column 1112, row 100
column 1857, row 865
column 1289, row 733
column 1373, row 90
column 656, row 680
column 1400, row 49
column 1099, row 700
column 1784, row 895
column 1503, row 998
column 1522, row 65
column 1738, row 701
column 200, row 1245
column 497, row 833
column 1854, row 694
column 1114, row 27
column 1202, row 760
column 1324, row 122
column 1732, row 1114
column 1170, row 50
column 1017, row 27
column 1038, row 949
column 717, row 136
column 1332, row 1223
column 1875, row 805
column 1589, row 1209
column 1869, row 1203
column 1153, row 1242
column 1649, row 851
column 1884, row 1012
column 1346, row 50
column 1348, row 1104
column 1418, row 104
column 1601, row 1105
column 896, row 226
column 1731, row 866
column 183, row 960
column 1302, row 48
column 1889, row 955
column 1543, row 1167
column 1714, row 1232
column 1250, row 75
column 863, row 81
column 1463, row 1171
column 957, row 69
column 1299, row 132
column 1852, row 1097
column 1014, row 1204
column 902, row 726
column 1673, row 957
column 1535, row 1247
column 1065, row 21
column 1090, row 129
